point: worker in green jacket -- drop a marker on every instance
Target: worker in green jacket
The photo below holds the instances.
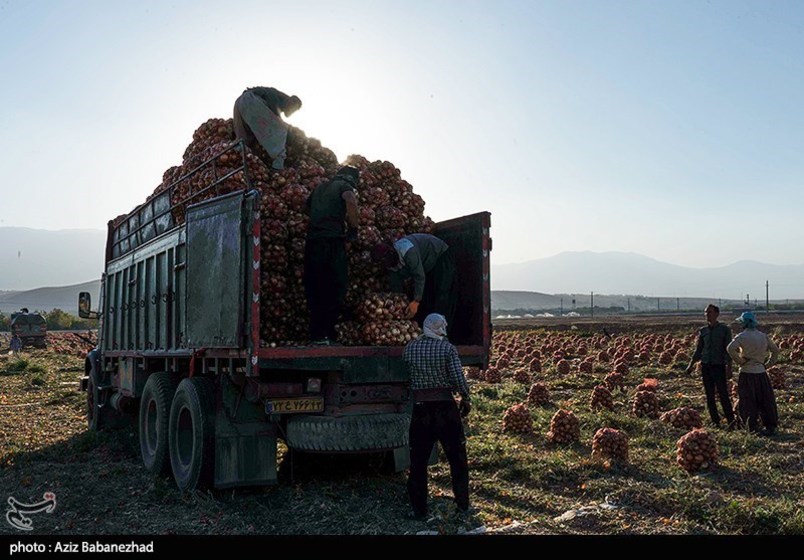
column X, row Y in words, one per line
column 334, row 217
column 429, row 262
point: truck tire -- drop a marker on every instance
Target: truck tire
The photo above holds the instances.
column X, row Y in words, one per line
column 367, row 432
column 153, row 421
column 94, row 415
column 191, row 433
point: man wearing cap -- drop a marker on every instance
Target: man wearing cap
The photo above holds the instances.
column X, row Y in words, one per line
column 325, row 263
column 715, row 364
column 435, row 374
column 256, row 120
column 750, row 349
column 429, row 261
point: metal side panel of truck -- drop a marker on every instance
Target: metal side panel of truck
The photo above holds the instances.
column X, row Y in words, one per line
column 179, row 346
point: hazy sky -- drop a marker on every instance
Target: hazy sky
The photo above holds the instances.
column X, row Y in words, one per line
column 673, row 129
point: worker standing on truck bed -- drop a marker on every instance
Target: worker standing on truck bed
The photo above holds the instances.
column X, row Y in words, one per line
column 435, row 374
column 256, row 120
column 429, row 261
column 325, row 273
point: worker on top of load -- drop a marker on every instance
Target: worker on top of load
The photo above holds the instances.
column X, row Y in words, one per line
column 429, row 261
column 325, row 262
column 256, row 120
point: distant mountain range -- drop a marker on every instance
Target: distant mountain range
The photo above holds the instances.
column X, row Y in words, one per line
column 47, row 299
column 502, row 302
column 71, row 259
column 630, row 273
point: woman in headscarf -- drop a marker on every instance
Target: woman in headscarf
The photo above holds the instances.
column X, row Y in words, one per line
column 749, row 350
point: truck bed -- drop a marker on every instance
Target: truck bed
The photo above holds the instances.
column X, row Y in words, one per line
column 194, row 289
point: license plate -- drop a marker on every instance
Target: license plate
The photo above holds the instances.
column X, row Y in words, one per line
column 289, row 406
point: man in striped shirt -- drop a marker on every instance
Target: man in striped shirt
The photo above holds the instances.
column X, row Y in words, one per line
column 435, row 374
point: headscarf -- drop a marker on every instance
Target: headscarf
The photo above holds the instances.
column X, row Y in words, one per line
column 435, row 326
column 748, row 320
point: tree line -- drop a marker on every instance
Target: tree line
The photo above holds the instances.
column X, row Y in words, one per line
column 56, row 320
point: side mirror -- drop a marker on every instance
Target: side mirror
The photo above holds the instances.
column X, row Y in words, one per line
column 85, row 306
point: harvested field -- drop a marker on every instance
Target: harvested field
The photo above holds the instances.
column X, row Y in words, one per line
column 521, row 482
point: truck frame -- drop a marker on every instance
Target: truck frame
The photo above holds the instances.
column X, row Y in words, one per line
column 179, row 345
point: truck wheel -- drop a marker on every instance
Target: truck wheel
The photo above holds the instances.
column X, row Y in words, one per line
column 191, row 433
column 368, row 432
column 93, row 404
column 153, row 421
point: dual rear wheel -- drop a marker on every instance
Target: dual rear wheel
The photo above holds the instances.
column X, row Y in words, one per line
column 177, row 429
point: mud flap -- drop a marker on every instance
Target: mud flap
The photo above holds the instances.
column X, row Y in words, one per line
column 245, row 441
column 401, row 456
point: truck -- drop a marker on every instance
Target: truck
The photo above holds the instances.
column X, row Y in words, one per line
column 179, row 347
column 30, row 327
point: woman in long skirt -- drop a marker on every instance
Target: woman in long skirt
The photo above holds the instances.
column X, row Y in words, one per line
column 750, row 350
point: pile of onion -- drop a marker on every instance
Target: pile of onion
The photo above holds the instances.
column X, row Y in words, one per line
column 389, row 209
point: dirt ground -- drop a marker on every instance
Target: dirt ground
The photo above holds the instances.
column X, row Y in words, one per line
column 523, row 486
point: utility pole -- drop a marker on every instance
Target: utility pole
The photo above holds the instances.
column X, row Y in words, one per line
column 592, row 304
column 629, row 305
column 678, row 305
column 658, row 304
column 767, row 301
column 562, row 307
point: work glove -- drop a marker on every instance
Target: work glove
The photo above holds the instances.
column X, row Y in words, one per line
column 464, row 408
column 413, row 307
column 351, row 234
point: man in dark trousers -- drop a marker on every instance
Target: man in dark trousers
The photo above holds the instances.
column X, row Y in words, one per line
column 435, row 374
column 256, row 120
column 715, row 364
column 429, row 261
column 325, row 274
